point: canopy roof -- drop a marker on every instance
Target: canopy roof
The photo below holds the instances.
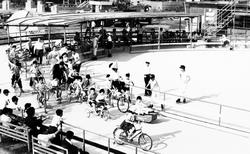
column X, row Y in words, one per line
column 67, row 19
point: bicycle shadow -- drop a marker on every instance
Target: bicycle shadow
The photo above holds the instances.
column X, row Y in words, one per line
column 201, row 98
column 160, row 139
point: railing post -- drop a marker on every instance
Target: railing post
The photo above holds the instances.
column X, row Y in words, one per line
column 136, row 150
column 108, row 145
column 83, row 142
column 164, row 96
column 29, row 138
column 220, row 115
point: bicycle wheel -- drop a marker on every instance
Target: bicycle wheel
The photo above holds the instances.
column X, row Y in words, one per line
column 145, row 142
column 47, row 95
column 106, row 115
column 123, row 104
column 119, row 135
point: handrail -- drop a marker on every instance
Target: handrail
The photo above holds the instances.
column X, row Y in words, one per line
column 21, row 133
column 37, row 147
column 171, row 94
column 207, row 102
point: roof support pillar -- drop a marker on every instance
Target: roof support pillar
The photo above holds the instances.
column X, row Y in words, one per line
column 8, row 33
column 180, row 26
column 64, row 35
column 81, row 32
column 49, row 35
column 159, row 38
column 20, row 34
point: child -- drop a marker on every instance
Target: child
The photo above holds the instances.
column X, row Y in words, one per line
column 76, row 87
column 14, row 105
column 35, row 73
column 92, row 97
column 100, row 101
column 127, row 87
column 140, row 107
column 72, row 74
column 41, row 88
column 57, row 119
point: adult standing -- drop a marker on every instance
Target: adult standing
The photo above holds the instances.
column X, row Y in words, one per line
column 147, row 73
column 29, row 46
column 184, row 82
column 95, row 47
column 58, row 74
column 39, row 50
column 53, row 56
column 109, row 45
column 155, row 90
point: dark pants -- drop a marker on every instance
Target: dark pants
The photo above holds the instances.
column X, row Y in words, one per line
column 78, row 67
column 17, row 79
column 39, row 56
column 146, row 80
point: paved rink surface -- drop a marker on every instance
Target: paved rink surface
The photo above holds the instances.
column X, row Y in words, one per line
column 216, row 76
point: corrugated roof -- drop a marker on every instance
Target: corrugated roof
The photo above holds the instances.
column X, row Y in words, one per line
column 67, row 19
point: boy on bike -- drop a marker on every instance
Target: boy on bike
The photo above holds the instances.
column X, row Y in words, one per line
column 101, row 102
column 41, row 88
column 75, row 88
column 92, row 97
column 128, row 125
column 35, row 74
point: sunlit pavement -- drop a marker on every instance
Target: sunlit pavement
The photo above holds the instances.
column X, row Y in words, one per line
column 216, row 75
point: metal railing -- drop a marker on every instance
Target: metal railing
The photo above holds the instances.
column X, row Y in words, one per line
column 42, row 147
column 132, row 148
column 16, row 132
column 218, row 114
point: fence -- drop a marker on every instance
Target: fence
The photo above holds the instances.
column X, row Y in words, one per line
column 16, row 132
column 41, row 147
column 205, row 111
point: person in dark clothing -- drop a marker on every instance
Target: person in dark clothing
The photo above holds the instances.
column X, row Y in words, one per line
column 77, row 38
column 58, row 73
column 34, row 123
column 67, row 144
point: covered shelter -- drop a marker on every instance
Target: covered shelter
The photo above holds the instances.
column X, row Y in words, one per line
column 78, row 19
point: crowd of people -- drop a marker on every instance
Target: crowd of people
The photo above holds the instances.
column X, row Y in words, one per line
column 65, row 70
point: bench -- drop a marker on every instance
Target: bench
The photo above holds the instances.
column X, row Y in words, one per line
column 15, row 132
column 50, row 148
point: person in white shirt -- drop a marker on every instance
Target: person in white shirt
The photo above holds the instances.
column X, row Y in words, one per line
column 5, row 99
column 5, row 118
column 64, row 49
column 46, row 138
column 77, row 60
column 39, row 49
column 184, row 81
column 140, row 107
column 95, row 47
column 53, row 56
column 14, row 104
column 57, row 119
column 147, row 73
column 109, row 44
column 155, row 90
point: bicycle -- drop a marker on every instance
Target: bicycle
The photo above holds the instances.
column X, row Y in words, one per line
column 41, row 98
column 144, row 140
column 123, row 100
column 73, row 93
column 103, row 112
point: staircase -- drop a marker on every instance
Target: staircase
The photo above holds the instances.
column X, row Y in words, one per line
column 83, row 4
column 222, row 18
